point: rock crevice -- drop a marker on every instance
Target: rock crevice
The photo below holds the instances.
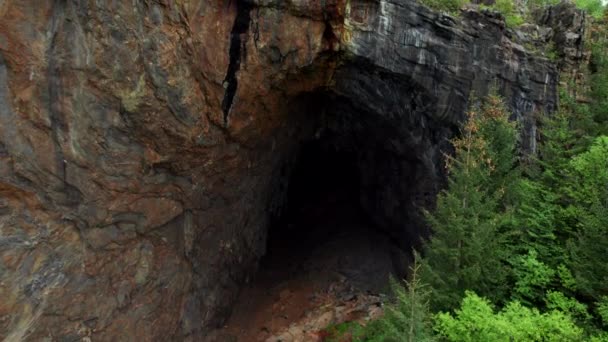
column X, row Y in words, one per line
column 237, row 53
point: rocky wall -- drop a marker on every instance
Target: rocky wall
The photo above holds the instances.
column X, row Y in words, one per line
column 142, row 142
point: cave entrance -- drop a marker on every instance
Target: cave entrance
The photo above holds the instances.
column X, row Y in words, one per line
column 323, row 251
column 323, row 232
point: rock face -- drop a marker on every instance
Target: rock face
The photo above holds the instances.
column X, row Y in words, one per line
column 567, row 26
column 145, row 145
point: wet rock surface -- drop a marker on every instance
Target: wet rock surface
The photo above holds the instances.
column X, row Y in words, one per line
column 145, row 146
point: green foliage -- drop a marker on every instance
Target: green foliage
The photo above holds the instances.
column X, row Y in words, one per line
column 602, row 310
column 543, row 196
column 408, row 317
column 577, row 119
column 591, row 175
column 351, row 331
column 450, row 6
column 559, row 143
column 601, row 337
column 547, row 232
column 589, row 194
column 508, row 9
column 533, row 277
column 467, row 249
column 566, row 278
column 595, row 8
column 599, row 73
column 531, row 238
column 477, row 321
column 558, row 301
column 500, row 136
column 535, row 215
column 536, row 4
column 551, row 51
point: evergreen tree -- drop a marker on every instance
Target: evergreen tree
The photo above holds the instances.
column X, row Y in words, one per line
column 559, row 143
column 467, row 249
column 599, row 73
column 500, row 137
column 533, row 278
column 541, row 196
column 533, row 242
column 408, row 318
column 535, row 214
column 589, row 193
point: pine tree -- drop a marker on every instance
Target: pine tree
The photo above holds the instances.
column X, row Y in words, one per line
column 467, row 249
column 408, row 317
column 500, row 137
column 541, row 196
column 599, row 73
column 589, row 193
column 559, row 143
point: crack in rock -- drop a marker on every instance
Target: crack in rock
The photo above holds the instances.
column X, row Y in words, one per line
column 237, row 53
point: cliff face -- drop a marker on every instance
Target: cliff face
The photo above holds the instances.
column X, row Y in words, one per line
column 144, row 146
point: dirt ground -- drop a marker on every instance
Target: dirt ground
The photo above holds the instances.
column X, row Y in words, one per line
column 326, row 268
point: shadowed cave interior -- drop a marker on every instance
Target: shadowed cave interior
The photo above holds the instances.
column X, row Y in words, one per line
column 323, row 231
column 322, row 240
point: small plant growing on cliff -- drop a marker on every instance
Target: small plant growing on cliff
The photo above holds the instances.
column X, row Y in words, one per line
column 508, row 9
column 537, row 4
column 595, row 8
column 450, row 6
column 551, row 52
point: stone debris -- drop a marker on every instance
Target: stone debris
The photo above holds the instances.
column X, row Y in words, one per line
column 341, row 304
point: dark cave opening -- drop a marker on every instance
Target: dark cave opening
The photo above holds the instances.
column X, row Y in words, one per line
column 323, row 183
column 323, row 231
column 322, row 249
column 343, row 208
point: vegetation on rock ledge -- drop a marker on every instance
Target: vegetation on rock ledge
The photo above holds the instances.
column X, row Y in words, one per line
column 514, row 14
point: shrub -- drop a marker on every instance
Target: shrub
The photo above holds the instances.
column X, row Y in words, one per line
column 449, row 6
column 602, row 310
column 536, row 4
column 595, row 8
column 508, row 9
column 476, row 320
column 532, row 278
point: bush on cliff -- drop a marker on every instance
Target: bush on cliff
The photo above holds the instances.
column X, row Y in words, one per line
column 449, row 6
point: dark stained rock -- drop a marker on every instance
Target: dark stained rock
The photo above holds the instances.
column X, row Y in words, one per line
column 144, row 145
column 568, row 25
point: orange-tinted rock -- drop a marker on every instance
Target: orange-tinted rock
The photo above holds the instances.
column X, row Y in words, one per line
column 141, row 155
